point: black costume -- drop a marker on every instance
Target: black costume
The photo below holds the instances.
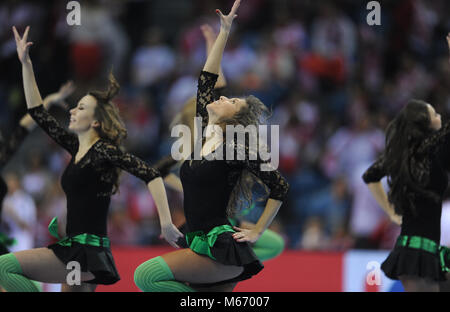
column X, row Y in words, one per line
column 207, row 186
column 88, row 185
column 434, row 153
column 7, row 149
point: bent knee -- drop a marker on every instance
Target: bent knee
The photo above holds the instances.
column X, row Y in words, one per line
column 150, row 272
column 279, row 245
column 139, row 275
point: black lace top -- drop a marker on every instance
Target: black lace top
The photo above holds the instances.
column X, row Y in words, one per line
column 208, row 184
column 88, row 184
column 7, row 149
column 433, row 156
column 166, row 163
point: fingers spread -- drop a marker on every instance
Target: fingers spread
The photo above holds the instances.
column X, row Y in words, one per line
column 219, row 13
column 16, row 34
column 236, row 5
column 25, row 35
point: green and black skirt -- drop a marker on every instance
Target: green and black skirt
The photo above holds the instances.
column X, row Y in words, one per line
column 92, row 252
column 417, row 256
column 219, row 245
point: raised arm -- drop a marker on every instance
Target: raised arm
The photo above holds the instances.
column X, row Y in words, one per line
column 34, row 101
column 54, row 98
column 26, row 124
column 210, row 37
column 209, row 75
column 32, row 95
column 214, row 59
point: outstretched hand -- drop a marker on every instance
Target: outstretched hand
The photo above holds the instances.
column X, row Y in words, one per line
column 22, row 45
column 58, row 97
column 66, row 90
column 227, row 20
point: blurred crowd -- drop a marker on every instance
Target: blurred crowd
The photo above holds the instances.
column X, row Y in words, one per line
column 332, row 81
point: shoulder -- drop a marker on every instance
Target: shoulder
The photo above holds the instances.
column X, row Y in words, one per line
column 107, row 148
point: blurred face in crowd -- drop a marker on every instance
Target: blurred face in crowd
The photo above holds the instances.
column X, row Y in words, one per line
column 435, row 118
column 225, row 107
column 82, row 117
column 13, row 183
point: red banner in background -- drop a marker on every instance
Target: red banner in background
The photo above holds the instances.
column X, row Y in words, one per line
column 292, row 271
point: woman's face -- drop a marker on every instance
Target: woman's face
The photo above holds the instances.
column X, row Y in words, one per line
column 82, row 116
column 225, row 107
column 435, row 118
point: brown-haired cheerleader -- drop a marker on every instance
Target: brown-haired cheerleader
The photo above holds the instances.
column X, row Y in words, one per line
column 218, row 253
column 96, row 131
column 270, row 244
column 416, row 161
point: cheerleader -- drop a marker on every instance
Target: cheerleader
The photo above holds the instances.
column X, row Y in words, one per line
column 96, row 131
column 218, row 253
column 416, row 162
column 270, row 244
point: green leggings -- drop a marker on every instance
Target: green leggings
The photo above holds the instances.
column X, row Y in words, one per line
column 268, row 246
column 155, row 275
column 11, row 278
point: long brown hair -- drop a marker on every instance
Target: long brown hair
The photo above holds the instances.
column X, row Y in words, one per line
column 408, row 172
column 107, row 114
column 112, row 127
column 253, row 113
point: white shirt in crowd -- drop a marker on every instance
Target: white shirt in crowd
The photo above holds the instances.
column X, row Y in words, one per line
column 366, row 214
column 445, row 224
column 21, row 205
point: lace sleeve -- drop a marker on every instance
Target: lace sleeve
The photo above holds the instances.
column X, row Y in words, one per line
column 127, row 162
column 48, row 123
column 375, row 172
column 164, row 165
column 244, row 158
column 205, row 94
column 8, row 147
